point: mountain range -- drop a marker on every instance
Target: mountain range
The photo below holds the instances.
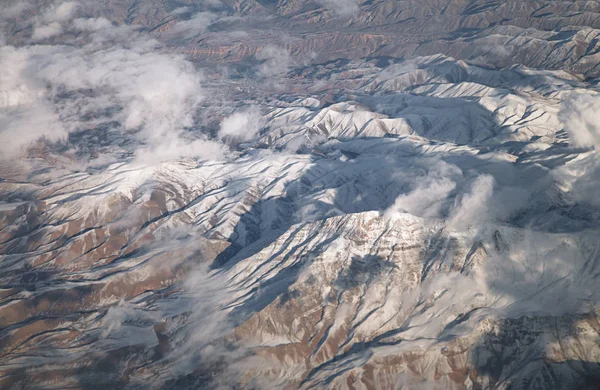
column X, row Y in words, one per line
column 331, row 194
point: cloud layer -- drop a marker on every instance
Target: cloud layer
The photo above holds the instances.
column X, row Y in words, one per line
column 112, row 77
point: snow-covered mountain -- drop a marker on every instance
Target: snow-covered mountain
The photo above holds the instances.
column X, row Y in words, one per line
column 330, row 195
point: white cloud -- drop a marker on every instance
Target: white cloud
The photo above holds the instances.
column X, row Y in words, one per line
column 342, row 7
column 118, row 75
column 541, row 274
column 242, row 126
column 276, row 60
column 473, row 208
column 580, row 179
column 430, row 190
column 49, row 24
column 172, row 147
column 181, row 10
column 13, row 9
column 25, row 115
column 438, row 189
column 579, row 115
column 14, row 91
column 199, row 23
column 21, row 128
column 46, row 31
column 198, row 323
column 61, row 12
column 94, row 24
column 426, row 199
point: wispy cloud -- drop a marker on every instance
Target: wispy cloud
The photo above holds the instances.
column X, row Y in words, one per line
column 342, row 7
column 242, row 126
column 199, row 23
column 49, row 24
column 118, row 77
column 276, row 60
column 579, row 115
column 465, row 200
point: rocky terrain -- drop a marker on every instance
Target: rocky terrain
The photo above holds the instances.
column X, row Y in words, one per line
column 334, row 194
